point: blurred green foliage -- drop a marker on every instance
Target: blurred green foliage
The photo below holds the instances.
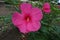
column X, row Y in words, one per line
column 12, row 2
column 50, row 29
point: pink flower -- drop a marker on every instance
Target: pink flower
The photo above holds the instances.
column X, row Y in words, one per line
column 46, row 7
column 28, row 20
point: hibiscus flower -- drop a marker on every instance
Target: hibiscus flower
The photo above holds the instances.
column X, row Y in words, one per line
column 29, row 18
column 46, row 7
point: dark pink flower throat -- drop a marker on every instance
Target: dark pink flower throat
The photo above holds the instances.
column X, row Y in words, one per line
column 27, row 18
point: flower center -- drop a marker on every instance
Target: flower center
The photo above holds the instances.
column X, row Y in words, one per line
column 28, row 18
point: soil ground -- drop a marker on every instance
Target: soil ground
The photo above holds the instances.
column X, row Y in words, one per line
column 11, row 35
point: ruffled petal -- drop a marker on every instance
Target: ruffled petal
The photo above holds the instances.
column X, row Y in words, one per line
column 25, row 7
column 47, row 11
column 23, row 28
column 36, row 14
column 16, row 18
column 46, row 5
column 35, row 26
